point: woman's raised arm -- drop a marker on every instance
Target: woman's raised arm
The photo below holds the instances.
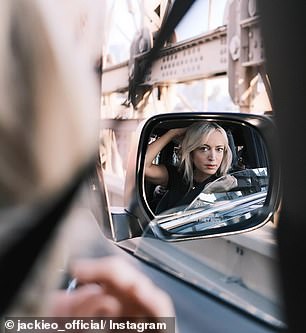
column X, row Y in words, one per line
column 158, row 174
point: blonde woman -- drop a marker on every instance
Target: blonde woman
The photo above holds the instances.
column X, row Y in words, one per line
column 205, row 155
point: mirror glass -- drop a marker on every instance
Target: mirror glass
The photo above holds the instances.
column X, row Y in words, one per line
column 204, row 174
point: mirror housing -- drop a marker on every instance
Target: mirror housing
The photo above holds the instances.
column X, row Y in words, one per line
column 261, row 129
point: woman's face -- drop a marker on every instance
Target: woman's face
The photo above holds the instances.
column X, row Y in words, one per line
column 207, row 158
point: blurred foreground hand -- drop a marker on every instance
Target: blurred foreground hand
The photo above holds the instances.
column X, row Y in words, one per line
column 111, row 287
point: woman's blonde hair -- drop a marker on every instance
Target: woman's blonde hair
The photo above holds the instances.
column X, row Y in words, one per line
column 193, row 139
column 49, row 118
column 49, row 105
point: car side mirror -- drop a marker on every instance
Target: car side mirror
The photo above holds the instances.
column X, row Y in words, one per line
column 242, row 199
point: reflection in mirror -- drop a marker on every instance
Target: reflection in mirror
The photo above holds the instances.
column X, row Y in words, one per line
column 246, row 183
column 204, row 174
column 215, row 207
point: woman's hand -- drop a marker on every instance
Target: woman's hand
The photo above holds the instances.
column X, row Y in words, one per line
column 111, row 287
column 157, row 173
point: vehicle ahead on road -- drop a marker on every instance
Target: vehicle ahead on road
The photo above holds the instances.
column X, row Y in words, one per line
column 222, row 244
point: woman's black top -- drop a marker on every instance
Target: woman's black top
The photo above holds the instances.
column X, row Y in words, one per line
column 178, row 193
